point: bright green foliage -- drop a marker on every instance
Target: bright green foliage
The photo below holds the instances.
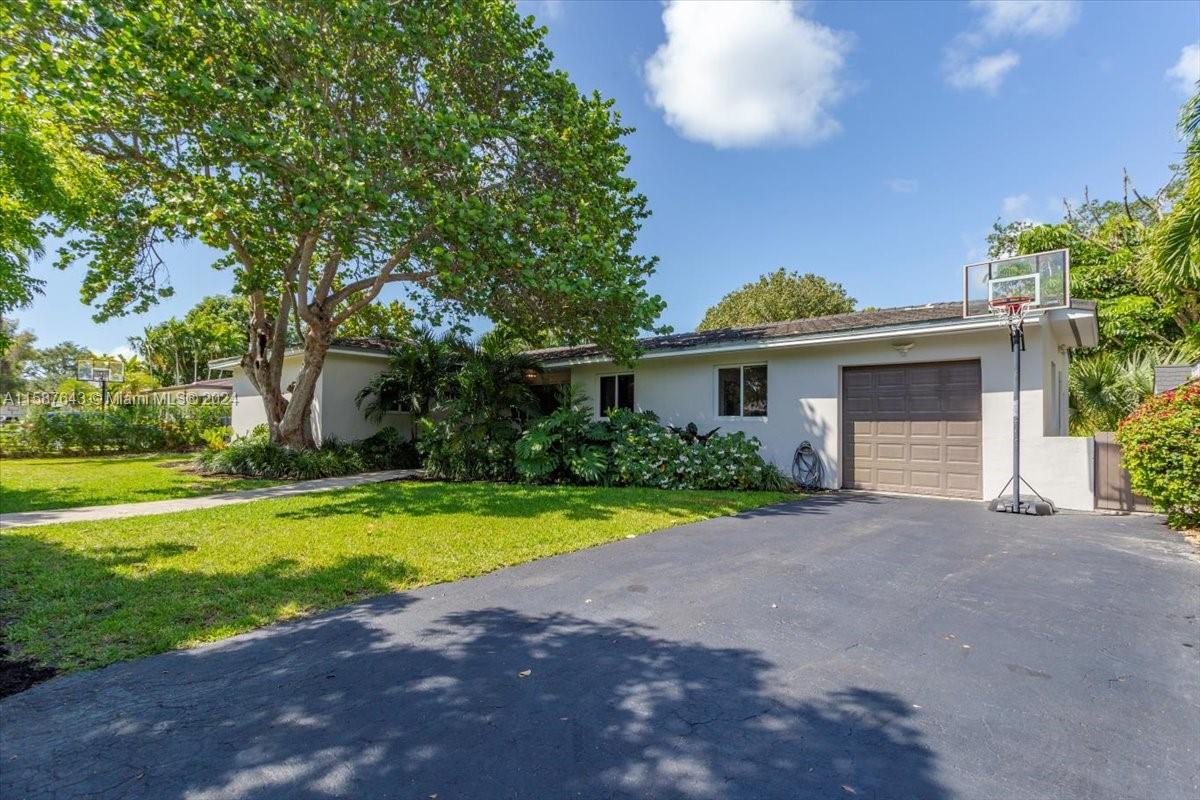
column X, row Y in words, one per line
column 36, row 484
column 419, row 376
column 779, row 296
column 1160, row 446
column 257, row 456
column 391, row 320
column 1176, row 242
column 329, row 149
column 633, row 449
column 482, row 408
column 15, row 357
column 133, row 428
column 46, row 184
column 566, row 445
column 178, row 350
column 1104, row 387
column 88, row 594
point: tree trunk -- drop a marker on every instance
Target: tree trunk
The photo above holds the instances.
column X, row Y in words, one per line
column 289, row 419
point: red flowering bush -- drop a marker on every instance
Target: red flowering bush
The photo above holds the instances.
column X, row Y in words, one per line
column 1160, row 446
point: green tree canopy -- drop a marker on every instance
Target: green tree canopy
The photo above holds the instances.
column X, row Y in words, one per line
column 779, row 296
column 178, row 350
column 329, row 149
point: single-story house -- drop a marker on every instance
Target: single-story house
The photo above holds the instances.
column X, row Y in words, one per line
column 349, row 366
column 915, row 399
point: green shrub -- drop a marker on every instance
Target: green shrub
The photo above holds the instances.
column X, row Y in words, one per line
column 133, row 428
column 1160, row 446
column 468, row 449
column 256, row 456
column 633, row 449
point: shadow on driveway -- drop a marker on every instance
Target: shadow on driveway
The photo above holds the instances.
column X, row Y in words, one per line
column 607, row 709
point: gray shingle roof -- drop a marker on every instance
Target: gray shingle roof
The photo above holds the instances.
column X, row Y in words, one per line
column 834, row 323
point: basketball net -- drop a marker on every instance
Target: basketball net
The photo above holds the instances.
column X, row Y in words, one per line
column 1010, row 310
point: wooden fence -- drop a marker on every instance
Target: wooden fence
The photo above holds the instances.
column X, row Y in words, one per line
column 1113, row 492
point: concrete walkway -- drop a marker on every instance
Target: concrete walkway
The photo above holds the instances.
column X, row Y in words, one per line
column 25, row 519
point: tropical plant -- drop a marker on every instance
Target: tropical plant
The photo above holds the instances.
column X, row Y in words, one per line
column 177, row 350
column 428, row 144
column 633, row 449
column 1160, row 446
column 779, row 296
column 1176, row 242
column 419, row 376
column 1105, row 386
column 255, row 455
column 486, row 406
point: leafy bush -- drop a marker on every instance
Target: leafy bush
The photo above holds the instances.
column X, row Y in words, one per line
column 465, row 448
column 1160, row 446
column 633, row 449
column 256, row 456
column 135, row 428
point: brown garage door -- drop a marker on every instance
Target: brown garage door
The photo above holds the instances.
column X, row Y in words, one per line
column 913, row 428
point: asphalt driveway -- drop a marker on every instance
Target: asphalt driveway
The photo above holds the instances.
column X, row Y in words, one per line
column 845, row 647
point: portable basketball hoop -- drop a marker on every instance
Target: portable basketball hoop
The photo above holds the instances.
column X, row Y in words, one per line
column 1010, row 311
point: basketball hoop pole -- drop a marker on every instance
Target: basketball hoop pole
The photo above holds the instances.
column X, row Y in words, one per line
column 1013, row 310
column 1016, row 338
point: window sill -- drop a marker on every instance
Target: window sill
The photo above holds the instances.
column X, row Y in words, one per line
column 740, row 419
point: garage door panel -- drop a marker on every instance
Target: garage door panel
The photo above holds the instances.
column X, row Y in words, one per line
column 926, row 452
column 915, row 428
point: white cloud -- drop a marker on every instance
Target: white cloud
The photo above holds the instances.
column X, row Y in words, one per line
column 546, row 8
column 1186, row 71
column 903, row 185
column 745, row 74
column 1028, row 18
column 979, row 72
column 1015, row 206
column 123, row 351
column 966, row 66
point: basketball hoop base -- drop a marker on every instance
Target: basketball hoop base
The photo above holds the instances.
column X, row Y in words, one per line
column 1031, row 504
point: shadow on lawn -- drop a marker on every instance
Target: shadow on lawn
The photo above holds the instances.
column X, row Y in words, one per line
column 509, row 501
column 71, row 608
column 342, row 706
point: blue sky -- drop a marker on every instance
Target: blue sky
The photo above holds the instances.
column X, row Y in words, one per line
column 872, row 143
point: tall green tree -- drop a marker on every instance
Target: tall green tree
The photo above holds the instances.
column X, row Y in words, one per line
column 329, row 149
column 45, row 184
column 15, row 356
column 391, row 320
column 178, row 350
column 1175, row 261
column 778, row 296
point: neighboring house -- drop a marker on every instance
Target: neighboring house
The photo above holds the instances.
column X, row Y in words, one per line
column 214, row 389
column 906, row 399
column 1172, row 376
column 349, row 366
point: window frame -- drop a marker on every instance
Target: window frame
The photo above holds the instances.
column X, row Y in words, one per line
column 616, row 376
column 741, row 368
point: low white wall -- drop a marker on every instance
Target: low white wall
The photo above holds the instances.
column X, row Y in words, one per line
column 804, row 390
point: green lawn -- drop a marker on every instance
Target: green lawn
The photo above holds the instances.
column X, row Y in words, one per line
column 87, row 594
column 36, row 484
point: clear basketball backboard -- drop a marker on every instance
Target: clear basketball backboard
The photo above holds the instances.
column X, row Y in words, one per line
column 106, row 370
column 1045, row 278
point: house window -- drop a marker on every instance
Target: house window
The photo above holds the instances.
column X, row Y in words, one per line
column 616, row 391
column 742, row 391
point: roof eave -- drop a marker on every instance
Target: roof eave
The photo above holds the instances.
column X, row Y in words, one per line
column 235, row 361
column 929, row 328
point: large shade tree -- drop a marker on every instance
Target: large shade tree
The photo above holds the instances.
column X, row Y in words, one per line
column 329, row 149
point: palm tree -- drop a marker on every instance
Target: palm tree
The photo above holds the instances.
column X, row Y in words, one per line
column 419, row 377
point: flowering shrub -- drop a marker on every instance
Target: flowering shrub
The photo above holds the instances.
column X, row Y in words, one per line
column 633, row 449
column 1160, row 446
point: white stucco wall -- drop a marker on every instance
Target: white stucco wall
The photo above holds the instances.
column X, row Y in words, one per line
column 334, row 413
column 342, row 379
column 804, row 390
